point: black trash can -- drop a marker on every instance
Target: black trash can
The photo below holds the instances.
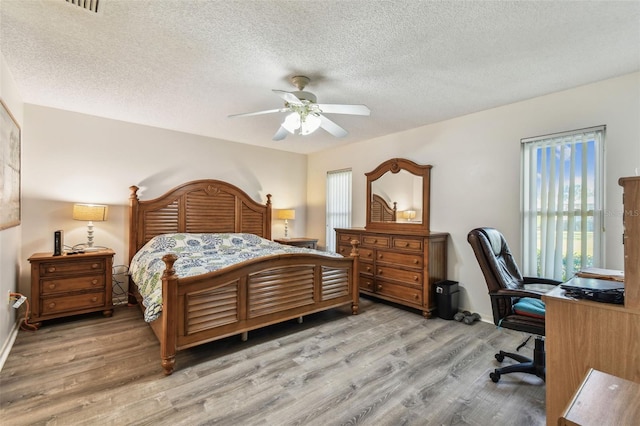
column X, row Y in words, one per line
column 447, row 295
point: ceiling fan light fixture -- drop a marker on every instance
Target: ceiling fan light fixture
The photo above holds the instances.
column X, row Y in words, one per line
column 310, row 124
column 292, row 122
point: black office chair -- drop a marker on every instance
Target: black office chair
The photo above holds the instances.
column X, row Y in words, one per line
column 507, row 286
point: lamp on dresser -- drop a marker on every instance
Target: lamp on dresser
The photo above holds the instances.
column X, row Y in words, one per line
column 90, row 213
column 286, row 215
column 409, row 215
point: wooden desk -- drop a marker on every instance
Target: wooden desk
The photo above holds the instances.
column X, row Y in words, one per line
column 581, row 335
column 603, row 399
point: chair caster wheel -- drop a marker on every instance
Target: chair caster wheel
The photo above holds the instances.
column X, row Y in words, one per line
column 500, row 358
column 495, row 376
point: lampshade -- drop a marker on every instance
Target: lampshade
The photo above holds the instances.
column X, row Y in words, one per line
column 304, row 121
column 310, row 124
column 409, row 214
column 286, row 214
column 91, row 212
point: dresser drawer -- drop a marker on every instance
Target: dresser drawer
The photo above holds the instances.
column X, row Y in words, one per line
column 408, row 243
column 413, row 277
column 404, row 259
column 344, row 250
column 54, row 305
column 345, row 239
column 366, row 283
column 366, row 268
column 375, row 241
column 366, row 254
column 71, row 284
column 397, row 291
column 48, row 269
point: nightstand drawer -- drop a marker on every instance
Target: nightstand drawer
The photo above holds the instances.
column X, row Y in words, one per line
column 71, row 267
column 71, row 284
column 54, row 305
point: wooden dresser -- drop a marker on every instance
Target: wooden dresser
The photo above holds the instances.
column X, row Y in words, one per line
column 401, row 267
column 582, row 334
column 70, row 284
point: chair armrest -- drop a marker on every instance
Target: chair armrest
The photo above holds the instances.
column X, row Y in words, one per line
column 538, row 280
column 505, row 292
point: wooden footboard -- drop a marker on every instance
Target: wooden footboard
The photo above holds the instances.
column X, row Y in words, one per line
column 248, row 296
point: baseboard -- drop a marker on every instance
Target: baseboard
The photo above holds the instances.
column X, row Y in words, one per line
column 8, row 344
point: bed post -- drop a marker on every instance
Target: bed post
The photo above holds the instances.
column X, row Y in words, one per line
column 169, row 314
column 133, row 237
column 355, row 290
column 268, row 219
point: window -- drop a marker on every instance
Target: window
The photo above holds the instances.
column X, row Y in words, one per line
column 562, row 199
column 338, row 204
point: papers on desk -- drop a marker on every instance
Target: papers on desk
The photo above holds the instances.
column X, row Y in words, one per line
column 602, row 274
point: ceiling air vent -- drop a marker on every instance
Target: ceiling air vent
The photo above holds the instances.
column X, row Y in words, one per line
column 90, row 5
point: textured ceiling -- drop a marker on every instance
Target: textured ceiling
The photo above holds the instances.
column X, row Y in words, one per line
column 187, row 65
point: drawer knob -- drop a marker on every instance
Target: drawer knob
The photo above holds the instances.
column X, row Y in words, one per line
column 94, row 281
column 95, row 266
column 52, row 286
column 415, row 278
column 93, row 299
column 379, row 287
column 417, row 296
column 51, row 269
column 52, row 305
column 369, row 254
column 416, row 261
column 379, row 271
column 380, row 256
column 406, row 244
column 368, row 268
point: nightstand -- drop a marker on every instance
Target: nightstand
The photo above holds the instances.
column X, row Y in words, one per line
column 70, row 284
column 298, row 242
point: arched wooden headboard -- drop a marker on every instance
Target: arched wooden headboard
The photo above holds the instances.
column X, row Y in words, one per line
column 201, row 206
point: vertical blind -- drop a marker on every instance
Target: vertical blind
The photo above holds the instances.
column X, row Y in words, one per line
column 562, row 199
column 338, row 204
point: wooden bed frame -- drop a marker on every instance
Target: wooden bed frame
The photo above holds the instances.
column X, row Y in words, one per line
column 243, row 297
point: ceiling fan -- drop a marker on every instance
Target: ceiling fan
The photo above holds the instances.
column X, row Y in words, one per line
column 305, row 115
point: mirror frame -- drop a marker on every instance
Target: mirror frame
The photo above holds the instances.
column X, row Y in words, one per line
column 394, row 165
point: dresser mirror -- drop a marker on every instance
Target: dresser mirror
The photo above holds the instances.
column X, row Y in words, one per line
column 398, row 196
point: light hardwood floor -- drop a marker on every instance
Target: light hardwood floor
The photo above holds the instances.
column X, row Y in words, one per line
column 385, row 366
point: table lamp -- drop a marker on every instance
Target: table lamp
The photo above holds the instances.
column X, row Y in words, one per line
column 409, row 215
column 286, row 215
column 90, row 213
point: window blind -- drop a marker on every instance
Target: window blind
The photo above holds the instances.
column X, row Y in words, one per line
column 338, row 214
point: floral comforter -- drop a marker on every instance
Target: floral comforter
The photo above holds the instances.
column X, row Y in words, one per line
column 197, row 254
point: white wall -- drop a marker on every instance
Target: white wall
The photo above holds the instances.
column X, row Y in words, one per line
column 476, row 169
column 70, row 157
column 9, row 238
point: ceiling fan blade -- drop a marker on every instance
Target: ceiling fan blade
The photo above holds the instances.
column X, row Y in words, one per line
column 344, row 109
column 248, row 114
column 332, row 127
column 280, row 134
column 288, row 97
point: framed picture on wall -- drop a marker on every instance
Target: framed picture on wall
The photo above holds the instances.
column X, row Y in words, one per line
column 9, row 169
